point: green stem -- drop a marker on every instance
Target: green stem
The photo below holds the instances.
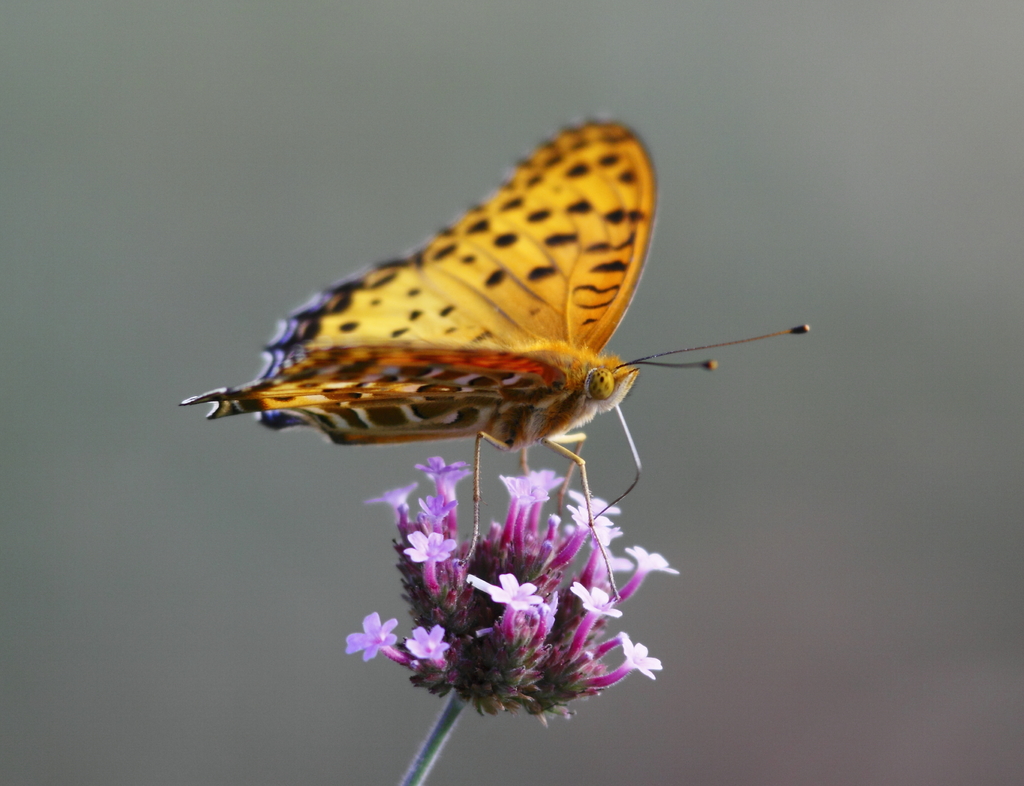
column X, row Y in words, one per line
column 430, row 750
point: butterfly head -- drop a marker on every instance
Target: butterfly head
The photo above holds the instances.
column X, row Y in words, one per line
column 606, row 387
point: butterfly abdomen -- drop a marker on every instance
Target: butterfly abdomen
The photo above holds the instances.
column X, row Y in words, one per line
column 518, row 424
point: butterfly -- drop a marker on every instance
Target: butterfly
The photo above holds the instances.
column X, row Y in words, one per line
column 494, row 329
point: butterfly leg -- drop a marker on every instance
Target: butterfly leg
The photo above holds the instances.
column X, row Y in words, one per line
column 579, row 462
column 480, row 436
column 579, row 440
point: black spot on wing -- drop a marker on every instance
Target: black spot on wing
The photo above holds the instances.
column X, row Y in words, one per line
column 431, row 409
column 391, row 263
column 597, row 290
column 338, row 301
column 385, row 279
column 495, row 278
column 441, row 253
column 507, row 239
column 386, row 416
column 539, row 273
column 617, row 266
column 583, row 296
column 560, row 239
column 604, row 246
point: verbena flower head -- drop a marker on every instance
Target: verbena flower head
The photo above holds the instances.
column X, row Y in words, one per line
column 522, row 626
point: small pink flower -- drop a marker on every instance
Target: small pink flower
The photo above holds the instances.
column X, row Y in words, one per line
column 636, row 657
column 595, row 600
column 396, row 498
column 513, row 594
column 427, row 646
column 430, row 548
column 374, row 636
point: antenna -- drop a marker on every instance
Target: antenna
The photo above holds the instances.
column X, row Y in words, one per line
column 711, row 365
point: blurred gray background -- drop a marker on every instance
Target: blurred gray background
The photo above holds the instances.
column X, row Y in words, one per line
column 845, row 508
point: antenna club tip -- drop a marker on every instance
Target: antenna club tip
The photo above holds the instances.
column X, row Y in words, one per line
column 801, row 329
column 711, row 365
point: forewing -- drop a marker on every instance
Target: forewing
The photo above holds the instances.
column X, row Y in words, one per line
column 558, row 250
column 555, row 255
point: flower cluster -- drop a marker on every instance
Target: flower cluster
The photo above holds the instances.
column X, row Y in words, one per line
column 511, row 629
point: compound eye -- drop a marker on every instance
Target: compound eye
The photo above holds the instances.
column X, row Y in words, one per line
column 600, row 384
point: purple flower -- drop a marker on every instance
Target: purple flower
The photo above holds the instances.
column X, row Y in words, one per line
column 545, row 479
column 645, row 563
column 598, row 505
column 374, row 636
column 510, row 593
column 445, row 476
column 427, row 646
column 524, row 490
column 636, row 657
column 596, row 600
column 606, row 531
column 429, row 548
column 523, row 625
column 396, row 498
column 435, row 512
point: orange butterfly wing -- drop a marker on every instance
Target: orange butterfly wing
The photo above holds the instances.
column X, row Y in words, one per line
column 391, row 393
column 558, row 250
column 553, row 258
